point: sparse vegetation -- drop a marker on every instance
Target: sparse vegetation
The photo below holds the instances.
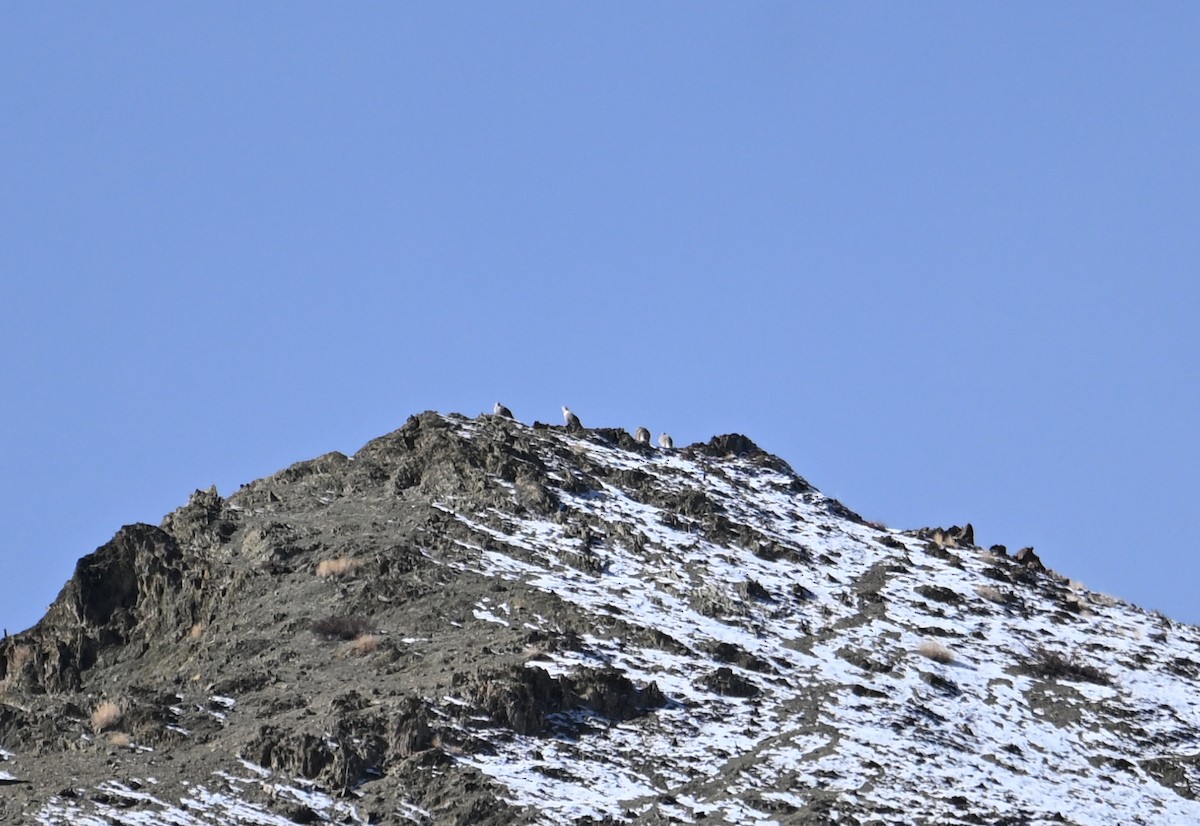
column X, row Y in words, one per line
column 936, row 652
column 119, row 739
column 340, row 567
column 342, row 628
column 364, row 644
column 106, row 715
column 197, row 631
column 1051, row 665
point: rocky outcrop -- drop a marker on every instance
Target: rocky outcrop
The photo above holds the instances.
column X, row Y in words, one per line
column 1030, row 559
column 479, row 622
column 953, row 537
column 356, row 740
column 138, row 590
column 724, row 681
column 530, row 701
column 737, row 446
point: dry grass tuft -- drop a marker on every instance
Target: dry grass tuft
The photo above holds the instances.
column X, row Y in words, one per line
column 119, row 739
column 363, row 645
column 197, row 631
column 935, row 651
column 106, row 715
column 342, row 566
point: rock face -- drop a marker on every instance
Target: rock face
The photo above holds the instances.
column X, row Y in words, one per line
column 481, row 622
column 137, row 588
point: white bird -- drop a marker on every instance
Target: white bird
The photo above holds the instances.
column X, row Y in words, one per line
column 571, row 419
column 642, row 435
column 666, row 441
column 501, row 410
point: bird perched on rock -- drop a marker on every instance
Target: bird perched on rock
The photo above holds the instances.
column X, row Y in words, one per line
column 571, row 419
column 666, row 441
column 642, row 435
column 501, row 410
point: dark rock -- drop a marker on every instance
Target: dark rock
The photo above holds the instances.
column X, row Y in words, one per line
column 864, row 661
column 948, row 687
column 752, row 590
column 862, row 691
column 524, row 698
column 693, row 503
column 1052, row 665
column 1176, row 773
column 341, row 628
column 270, row 543
column 731, row 444
column 139, row 587
column 302, row 814
column 802, row 593
column 298, row 754
column 725, row 681
column 727, row 652
column 536, row 496
column 941, row 551
column 952, row 537
column 621, row 438
column 1029, row 559
column 939, row 594
column 735, row 445
column 203, row 523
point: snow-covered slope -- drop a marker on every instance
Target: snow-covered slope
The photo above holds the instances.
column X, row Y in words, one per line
column 792, row 661
column 844, row 705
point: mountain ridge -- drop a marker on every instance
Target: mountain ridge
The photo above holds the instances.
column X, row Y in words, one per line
column 480, row 621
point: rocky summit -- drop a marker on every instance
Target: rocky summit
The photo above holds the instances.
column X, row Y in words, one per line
column 478, row 621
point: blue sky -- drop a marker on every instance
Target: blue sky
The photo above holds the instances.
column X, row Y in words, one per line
column 941, row 257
